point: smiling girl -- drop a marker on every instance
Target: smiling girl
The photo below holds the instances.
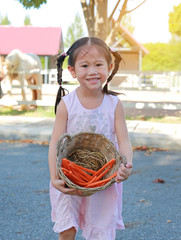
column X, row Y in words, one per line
column 91, row 107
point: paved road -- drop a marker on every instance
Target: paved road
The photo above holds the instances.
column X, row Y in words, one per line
column 151, row 211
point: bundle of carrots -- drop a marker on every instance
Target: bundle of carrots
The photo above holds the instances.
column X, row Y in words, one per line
column 85, row 177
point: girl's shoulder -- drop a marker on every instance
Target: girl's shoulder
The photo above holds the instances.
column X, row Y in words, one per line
column 69, row 97
column 111, row 99
column 70, row 100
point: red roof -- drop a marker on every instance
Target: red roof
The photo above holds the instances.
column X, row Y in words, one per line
column 38, row 40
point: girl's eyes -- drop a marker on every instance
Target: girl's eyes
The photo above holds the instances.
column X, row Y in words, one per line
column 99, row 64
column 86, row 65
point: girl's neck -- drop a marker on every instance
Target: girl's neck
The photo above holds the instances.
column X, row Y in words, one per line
column 90, row 99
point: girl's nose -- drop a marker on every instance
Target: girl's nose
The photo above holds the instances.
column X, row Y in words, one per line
column 92, row 70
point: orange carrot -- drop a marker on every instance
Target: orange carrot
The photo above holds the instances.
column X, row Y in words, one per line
column 81, row 172
column 101, row 182
column 82, row 168
column 79, row 175
column 65, row 171
column 108, row 164
column 82, row 176
column 102, row 174
column 94, row 179
column 65, row 163
column 73, row 178
column 87, row 169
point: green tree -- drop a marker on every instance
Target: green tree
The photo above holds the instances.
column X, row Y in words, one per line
column 27, row 20
column 162, row 57
column 175, row 20
column 5, row 21
column 32, row 3
column 74, row 32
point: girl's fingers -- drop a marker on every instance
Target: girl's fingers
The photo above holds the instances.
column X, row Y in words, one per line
column 121, row 178
column 69, row 191
column 129, row 165
column 124, row 172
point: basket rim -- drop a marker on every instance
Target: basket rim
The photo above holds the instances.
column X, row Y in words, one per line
column 61, row 144
column 70, row 137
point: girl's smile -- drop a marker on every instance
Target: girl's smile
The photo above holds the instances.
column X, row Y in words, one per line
column 93, row 80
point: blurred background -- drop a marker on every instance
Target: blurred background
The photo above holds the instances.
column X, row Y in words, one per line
column 147, row 33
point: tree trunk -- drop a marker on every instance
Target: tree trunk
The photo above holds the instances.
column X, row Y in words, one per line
column 88, row 17
column 101, row 20
column 112, row 34
column 101, row 25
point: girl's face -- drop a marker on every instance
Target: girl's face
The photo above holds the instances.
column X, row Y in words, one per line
column 91, row 68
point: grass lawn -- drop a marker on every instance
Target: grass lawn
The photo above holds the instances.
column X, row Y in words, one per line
column 32, row 112
column 49, row 112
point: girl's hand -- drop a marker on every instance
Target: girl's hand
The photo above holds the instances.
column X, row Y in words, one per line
column 60, row 185
column 124, row 172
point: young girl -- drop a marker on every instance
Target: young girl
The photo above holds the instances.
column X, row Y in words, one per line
column 91, row 107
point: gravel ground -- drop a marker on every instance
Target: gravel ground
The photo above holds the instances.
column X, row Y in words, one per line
column 151, row 211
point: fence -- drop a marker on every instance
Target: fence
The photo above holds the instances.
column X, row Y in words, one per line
column 170, row 81
column 163, row 81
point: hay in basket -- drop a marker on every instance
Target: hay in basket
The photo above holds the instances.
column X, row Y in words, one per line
column 89, row 150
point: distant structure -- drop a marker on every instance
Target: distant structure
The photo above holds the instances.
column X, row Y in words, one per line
column 42, row 41
column 133, row 54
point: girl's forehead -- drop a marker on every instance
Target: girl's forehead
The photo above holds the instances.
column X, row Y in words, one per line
column 90, row 50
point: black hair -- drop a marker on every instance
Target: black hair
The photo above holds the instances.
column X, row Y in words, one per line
column 73, row 53
column 61, row 90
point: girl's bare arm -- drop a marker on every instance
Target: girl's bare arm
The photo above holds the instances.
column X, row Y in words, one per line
column 60, row 127
column 124, row 143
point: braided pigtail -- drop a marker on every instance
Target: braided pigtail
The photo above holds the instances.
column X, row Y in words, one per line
column 117, row 61
column 61, row 90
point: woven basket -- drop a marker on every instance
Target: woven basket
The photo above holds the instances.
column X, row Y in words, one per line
column 90, row 150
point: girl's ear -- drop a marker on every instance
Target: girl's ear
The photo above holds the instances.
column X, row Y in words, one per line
column 72, row 71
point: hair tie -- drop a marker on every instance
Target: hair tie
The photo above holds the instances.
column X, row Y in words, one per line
column 113, row 50
column 63, row 54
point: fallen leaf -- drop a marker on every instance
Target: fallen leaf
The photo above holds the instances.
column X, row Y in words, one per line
column 169, row 221
column 147, row 153
column 159, row 180
column 143, row 200
column 148, row 149
column 20, row 232
column 25, row 141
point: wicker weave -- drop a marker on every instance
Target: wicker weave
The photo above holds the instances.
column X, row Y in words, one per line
column 90, row 150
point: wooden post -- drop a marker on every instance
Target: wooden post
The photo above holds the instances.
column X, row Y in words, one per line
column 140, row 68
column 46, row 70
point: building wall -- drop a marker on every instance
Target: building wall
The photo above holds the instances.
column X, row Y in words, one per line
column 131, row 61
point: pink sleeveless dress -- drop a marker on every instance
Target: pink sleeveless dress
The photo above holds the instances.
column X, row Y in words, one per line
column 100, row 214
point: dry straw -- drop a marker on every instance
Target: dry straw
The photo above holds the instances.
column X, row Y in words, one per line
column 90, row 150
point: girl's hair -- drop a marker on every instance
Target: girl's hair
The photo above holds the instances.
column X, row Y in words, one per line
column 73, row 52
